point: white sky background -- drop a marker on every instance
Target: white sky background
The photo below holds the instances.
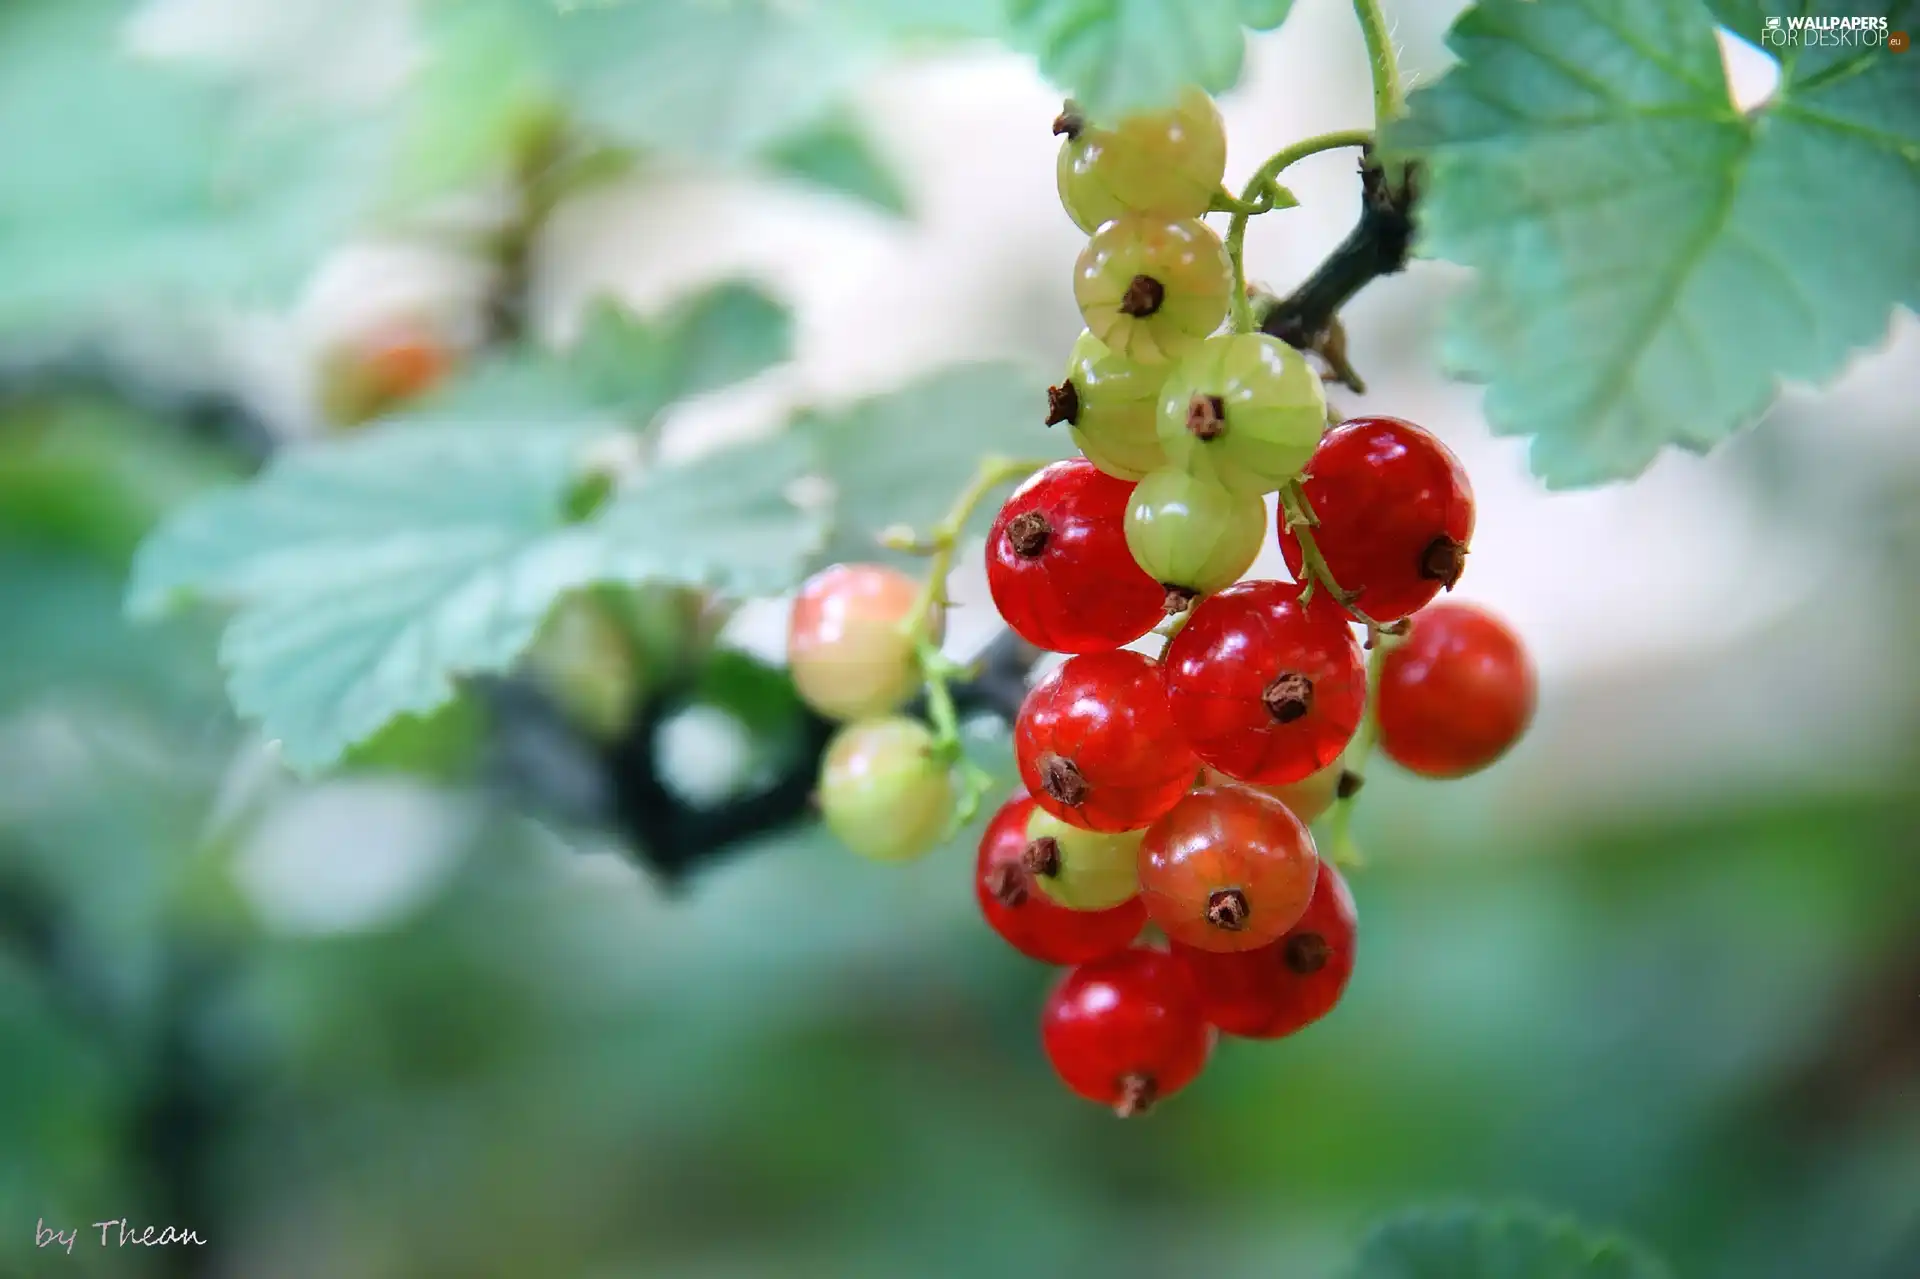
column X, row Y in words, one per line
column 1662, row 611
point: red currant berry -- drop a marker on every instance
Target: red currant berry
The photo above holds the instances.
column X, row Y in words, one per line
column 1264, row 689
column 1308, row 798
column 1126, row 1031
column 1028, row 920
column 1097, row 747
column 1280, row 988
column 847, row 649
column 1059, row 567
column 1456, row 694
column 1227, row 869
column 1395, row 514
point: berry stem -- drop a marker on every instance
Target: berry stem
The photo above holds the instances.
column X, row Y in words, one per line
column 1224, row 201
column 1261, row 196
column 944, row 538
column 1388, row 100
column 1342, row 850
column 1314, row 573
column 937, row 670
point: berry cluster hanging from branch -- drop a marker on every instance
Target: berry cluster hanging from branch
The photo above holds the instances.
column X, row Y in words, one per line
column 1175, row 789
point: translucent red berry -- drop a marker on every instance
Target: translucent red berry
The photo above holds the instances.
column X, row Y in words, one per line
column 1263, row 688
column 1291, row 983
column 1031, row 922
column 847, row 648
column 1308, row 798
column 1227, row 869
column 1395, row 514
column 1097, row 747
column 1059, row 567
column 1456, row 694
column 1126, row 1031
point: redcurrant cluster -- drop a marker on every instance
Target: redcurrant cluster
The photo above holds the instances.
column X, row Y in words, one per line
column 1175, row 790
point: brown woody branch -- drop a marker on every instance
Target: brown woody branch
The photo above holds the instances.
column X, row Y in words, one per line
column 1377, row 246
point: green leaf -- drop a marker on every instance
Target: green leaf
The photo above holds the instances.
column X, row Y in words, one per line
column 1119, row 56
column 937, row 19
column 722, row 521
column 724, row 335
column 623, row 366
column 128, row 183
column 717, row 83
column 1649, row 262
column 370, row 574
column 900, row 458
column 480, row 98
column 837, row 155
column 1477, row 1244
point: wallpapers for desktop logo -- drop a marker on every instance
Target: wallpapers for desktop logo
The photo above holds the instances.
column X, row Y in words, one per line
column 1852, row 32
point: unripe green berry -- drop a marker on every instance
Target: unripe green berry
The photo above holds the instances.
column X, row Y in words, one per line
column 1162, row 162
column 1243, row 410
column 883, row 790
column 586, row 663
column 1082, row 869
column 1113, row 406
column 1190, row 534
column 1152, row 288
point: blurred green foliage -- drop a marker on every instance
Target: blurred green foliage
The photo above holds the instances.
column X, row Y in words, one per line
column 127, row 184
column 454, row 1045
column 1695, row 1027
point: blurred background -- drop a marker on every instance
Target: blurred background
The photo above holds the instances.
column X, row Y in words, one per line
column 521, row 992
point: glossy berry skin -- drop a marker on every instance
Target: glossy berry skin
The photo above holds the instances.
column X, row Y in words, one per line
column 1395, row 514
column 1152, row 289
column 1082, row 869
column 1280, row 988
column 1456, row 694
column 1242, row 410
column 1308, row 798
column 1096, row 744
column 1058, row 564
column 1164, row 162
column 1030, row 921
column 1227, row 869
column 883, row 791
column 846, row 649
column 1191, row 535
column 1126, row 1031
column 1111, row 405
column 1264, row 689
